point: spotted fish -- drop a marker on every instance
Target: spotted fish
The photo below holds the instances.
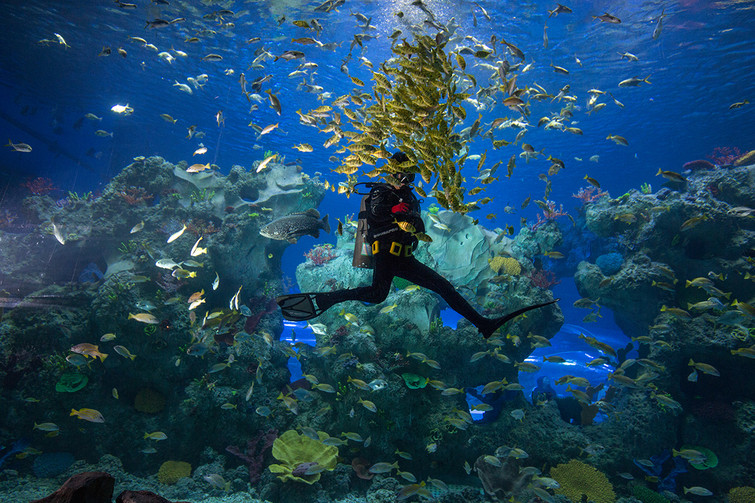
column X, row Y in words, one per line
column 293, row 226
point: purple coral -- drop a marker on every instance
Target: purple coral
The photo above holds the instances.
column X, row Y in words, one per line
column 255, row 452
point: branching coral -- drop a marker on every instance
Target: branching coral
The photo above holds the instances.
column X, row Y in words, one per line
column 321, row 254
column 302, row 458
column 578, row 479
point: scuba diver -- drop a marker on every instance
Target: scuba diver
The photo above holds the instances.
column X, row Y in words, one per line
column 390, row 221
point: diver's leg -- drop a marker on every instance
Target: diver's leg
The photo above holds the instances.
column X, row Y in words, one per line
column 382, row 275
column 415, row 271
column 418, row 273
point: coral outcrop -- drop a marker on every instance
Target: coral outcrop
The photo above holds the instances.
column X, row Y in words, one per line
column 579, row 480
column 299, row 455
column 171, row 472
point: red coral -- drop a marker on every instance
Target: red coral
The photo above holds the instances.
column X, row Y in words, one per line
column 549, row 214
column 255, row 452
column 723, row 156
column 589, row 194
column 135, row 195
column 321, row 254
column 543, row 278
column 40, row 186
column 200, row 227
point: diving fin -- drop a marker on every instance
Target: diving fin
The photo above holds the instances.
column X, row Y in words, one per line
column 499, row 322
column 298, row 306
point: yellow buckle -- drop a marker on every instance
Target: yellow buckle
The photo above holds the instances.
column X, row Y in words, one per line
column 375, row 247
column 408, row 250
column 395, row 249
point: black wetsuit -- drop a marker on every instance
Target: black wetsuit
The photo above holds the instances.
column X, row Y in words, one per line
column 387, row 205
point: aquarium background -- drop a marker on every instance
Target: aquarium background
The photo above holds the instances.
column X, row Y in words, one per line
column 668, row 412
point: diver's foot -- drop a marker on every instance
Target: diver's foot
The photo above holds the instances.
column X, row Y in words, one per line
column 491, row 325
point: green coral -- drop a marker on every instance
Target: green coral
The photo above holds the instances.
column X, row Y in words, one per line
column 578, row 479
column 646, row 188
column 71, row 382
column 710, row 461
column 171, row 472
column 293, row 450
column 198, row 196
column 646, row 495
column 744, row 494
column 414, row 381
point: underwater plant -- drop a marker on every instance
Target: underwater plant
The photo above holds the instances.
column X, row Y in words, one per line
column 646, row 188
column 200, row 196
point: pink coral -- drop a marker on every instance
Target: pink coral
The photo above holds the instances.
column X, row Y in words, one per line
column 589, row 194
column 549, row 214
column 40, row 186
column 723, row 156
column 321, row 254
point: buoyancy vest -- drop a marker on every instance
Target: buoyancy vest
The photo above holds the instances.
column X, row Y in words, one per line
column 382, row 222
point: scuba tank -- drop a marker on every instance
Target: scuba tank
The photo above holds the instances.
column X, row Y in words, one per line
column 362, row 249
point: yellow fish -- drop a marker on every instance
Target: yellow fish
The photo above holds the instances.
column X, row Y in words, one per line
column 156, row 435
column 177, row 235
column 144, row 318
column 91, row 415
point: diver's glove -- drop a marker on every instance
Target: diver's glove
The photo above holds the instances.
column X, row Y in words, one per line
column 400, row 208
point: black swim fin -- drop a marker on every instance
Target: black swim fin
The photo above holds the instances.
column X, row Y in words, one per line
column 499, row 322
column 298, row 306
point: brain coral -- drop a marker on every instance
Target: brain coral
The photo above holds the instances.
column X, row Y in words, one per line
column 508, row 265
column 298, row 453
column 149, row 401
column 577, row 479
column 742, row 495
column 171, row 472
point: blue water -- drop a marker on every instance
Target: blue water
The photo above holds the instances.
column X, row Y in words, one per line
column 699, row 65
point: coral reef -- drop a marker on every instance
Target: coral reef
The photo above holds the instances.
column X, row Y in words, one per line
column 52, row 464
column 579, row 480
column 71, row 382
column 171, row 472
column 647, row 495
column 509, row 265
column 744, row 494
column 504, row 482
column 255, row 452
column 609, row 263
column 298, row 454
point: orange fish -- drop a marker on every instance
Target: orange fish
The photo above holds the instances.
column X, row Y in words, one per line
column 89, row 350
column 91, row 415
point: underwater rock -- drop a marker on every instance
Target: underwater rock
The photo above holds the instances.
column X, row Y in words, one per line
column 91, row 487
column 142, row 497
column 501, row 482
